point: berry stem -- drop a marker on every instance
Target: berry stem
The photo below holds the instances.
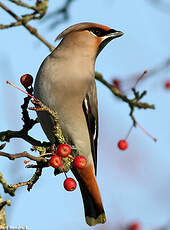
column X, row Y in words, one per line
column 146, row 132
column 71, row 157
column 64, row 170
column 141, row 76
column 129, row 132
column 22, row 90
column 26, row 162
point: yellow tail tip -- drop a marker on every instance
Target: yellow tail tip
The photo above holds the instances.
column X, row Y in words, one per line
column 101, row 219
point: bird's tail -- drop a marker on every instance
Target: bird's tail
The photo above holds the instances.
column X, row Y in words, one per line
column 94, row 212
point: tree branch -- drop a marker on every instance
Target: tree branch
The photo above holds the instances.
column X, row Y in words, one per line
column 131, row 102
column 9, row 134
column 23, row 154
column 20, row 3
column 7, row 189
column 3, row 203
column 2, row 215
column 27, row 126
column 24, row 20
column 30, row 182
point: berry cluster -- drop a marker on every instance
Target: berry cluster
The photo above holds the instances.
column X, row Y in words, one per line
column 79, row 162
column 63, row 150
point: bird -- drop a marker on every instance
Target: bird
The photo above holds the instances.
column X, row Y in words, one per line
column 65, row 82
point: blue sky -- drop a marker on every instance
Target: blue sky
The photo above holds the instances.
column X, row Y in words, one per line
column 134, row 184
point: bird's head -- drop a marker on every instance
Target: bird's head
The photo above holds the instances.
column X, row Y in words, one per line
column 89, row 35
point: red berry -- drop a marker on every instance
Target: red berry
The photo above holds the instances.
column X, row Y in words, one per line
column 167, row 84
column 26, row 162
column 63, row 150
column 116, row 83
column 55, row 161
column 80, row 162
column 26, row 80
column 134, row 226
column 123, row 144
column 70, row 184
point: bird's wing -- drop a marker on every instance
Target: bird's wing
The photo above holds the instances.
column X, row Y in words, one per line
column 90, row 108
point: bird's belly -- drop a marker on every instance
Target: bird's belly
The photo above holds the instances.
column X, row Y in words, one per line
column 73, row 125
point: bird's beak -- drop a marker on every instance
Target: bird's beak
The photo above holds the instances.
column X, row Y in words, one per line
column 112, row 35
column 115, row 34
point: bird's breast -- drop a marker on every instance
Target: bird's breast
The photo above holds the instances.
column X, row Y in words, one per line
column 63, row 87
column 63, row 83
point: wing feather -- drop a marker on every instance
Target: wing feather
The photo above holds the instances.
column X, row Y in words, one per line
column 90, row 108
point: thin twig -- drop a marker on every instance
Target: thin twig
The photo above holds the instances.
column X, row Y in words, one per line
column 13, row 24
column 131, row 102
column 20, row 3
column 23, row 22
column 117, row 93
column 9, row 134
column 23, row 154
column 30, row 182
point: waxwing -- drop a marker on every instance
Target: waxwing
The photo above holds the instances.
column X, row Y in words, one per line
column 65, row 83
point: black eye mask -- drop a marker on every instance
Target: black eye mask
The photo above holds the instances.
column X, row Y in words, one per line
column 101, row 32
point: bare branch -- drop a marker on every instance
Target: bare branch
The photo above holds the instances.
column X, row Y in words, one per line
column 9, row 134
column 131, row 102
column 28, row 122
column 20, row 3
column 28, row 125
column 13, row 24
column 117, row 93
column 23, row 21
column 30, row 182
column 24, row 154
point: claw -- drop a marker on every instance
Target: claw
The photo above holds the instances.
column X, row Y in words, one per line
column 35, row 102
column 2, row 146
column 36, row 109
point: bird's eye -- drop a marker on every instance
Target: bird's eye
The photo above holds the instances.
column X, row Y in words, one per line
column 97, row 31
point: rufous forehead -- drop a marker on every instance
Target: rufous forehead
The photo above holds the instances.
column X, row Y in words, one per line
column 98, row 26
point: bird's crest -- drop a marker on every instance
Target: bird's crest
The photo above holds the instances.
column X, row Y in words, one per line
column 80, row 27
